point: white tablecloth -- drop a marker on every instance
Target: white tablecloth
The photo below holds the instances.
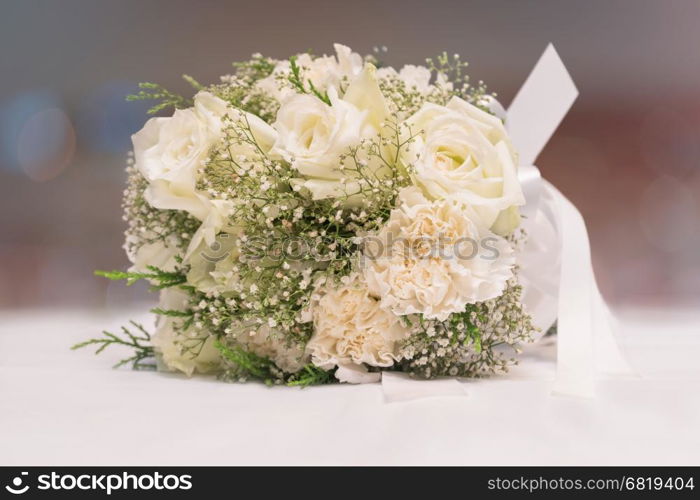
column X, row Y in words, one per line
column 60, row 407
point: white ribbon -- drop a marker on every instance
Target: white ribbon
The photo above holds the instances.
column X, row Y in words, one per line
column 559, row 284
column 555, row 266
column 557, row 272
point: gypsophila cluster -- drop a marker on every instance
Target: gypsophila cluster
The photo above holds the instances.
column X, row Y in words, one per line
column 482, row 340
column 323, row 219
column 147, row 225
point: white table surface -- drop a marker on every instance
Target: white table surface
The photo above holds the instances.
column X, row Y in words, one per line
column 60, row 407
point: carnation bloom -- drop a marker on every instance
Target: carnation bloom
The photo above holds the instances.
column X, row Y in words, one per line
column 434, row 258
column 350, row 328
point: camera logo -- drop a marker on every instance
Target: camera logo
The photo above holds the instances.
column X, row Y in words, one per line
column 16, row 488
column 219, row 250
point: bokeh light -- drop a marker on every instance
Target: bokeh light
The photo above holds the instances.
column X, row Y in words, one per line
column 45, row 144
column 669, row 214
column 670, row 142
column 15, row 112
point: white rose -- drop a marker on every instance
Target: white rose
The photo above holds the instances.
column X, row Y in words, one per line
column 324, row 72
column 432, row 258
column 464, row 153
column 175, row 349
column 213, row 266
column 170, row 152
column 328, row 71
column 216, row 221
column 156, row 253
column 350, row 328
column 350, row 63
column 312, row 135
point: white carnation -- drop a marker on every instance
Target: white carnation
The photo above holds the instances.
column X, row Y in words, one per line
column 350, row 328
column 432, row 258
column 465, row 153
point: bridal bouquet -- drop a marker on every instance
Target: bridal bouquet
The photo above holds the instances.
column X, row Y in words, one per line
column 324, row 219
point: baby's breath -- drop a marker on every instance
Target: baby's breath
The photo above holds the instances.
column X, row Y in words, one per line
column 482, row 340
column 146, row 224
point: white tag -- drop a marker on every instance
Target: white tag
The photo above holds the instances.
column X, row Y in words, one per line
column 540, row 105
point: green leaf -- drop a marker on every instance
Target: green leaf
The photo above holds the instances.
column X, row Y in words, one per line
column 311, row 375
column 255, row 365
column 160, row 279
column 296, row 80
column 154, row 92
column 139, row 341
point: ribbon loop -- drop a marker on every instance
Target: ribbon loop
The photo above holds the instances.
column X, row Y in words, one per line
column 540, row 105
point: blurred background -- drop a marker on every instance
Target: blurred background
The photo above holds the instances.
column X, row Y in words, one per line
column 628, row 153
